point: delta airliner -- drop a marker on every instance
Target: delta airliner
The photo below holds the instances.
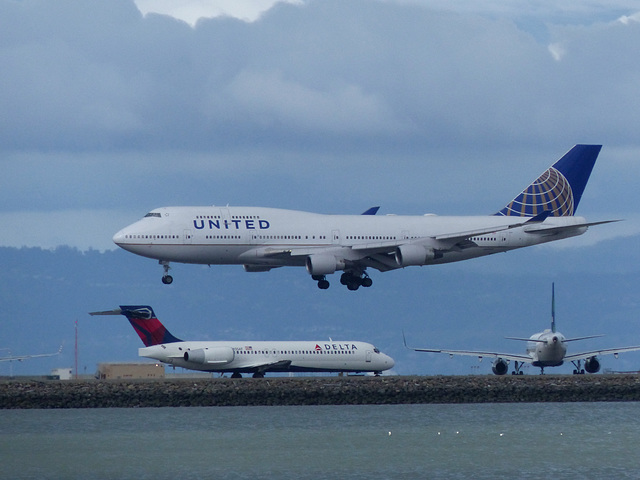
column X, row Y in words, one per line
column 256, row 357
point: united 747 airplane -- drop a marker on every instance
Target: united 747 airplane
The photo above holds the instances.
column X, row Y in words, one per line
column 265, row 238
column 544, row 349
column 239, row 357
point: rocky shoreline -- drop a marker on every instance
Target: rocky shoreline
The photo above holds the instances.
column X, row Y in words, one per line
column 18, row 394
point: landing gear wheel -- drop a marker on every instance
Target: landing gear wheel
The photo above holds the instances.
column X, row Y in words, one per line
column 166, row 278
column 323, row 283
column 258, row 375
column 236, row 375
column 354, row 281
column 355, row 285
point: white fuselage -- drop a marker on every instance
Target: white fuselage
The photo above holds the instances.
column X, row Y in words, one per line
column 547, row 349
column 267, row 237
column 295, row 356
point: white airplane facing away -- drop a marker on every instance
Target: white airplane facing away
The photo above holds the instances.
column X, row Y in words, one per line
column 239, row 357
column 264, row 238
column 544, row 349
column 19, row 358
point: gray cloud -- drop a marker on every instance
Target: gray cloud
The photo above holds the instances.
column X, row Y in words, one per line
column 338, row 104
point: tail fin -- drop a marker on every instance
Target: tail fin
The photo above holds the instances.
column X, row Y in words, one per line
column 553, row 307
column 559, row 188
column 145, row 323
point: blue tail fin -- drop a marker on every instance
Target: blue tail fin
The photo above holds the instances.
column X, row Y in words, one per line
column 147, row 326
column 559, row 189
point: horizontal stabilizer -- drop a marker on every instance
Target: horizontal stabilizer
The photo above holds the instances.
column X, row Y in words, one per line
column 551, row 229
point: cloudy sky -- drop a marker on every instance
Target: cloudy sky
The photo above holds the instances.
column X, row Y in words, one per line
column 112, row 108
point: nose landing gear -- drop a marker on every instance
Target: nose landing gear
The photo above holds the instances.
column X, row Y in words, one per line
column 166, row 278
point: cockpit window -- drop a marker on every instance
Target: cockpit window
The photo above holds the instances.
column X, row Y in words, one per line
column 376, row 350
column 152, row 214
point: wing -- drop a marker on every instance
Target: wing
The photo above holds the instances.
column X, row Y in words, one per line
column 265, row 367
column 473, row 353
column 19, row 358
column 605, row 351
column 381, row 254
column 479, row 354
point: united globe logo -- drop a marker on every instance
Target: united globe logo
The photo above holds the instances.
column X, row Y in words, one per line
column 551, row 192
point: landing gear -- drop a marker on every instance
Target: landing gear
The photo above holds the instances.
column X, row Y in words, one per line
column 517, row 366
column 258, row 375
column 353, row 281
column 166, row 278
column 578, row 370
column 236, row 375
column 323, row 283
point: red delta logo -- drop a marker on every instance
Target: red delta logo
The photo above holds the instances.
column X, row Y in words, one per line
column 318, row 348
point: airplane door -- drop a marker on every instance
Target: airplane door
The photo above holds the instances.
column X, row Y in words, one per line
column 187, row 237
column 225, row 218
column 335, row 237
column 368, row 357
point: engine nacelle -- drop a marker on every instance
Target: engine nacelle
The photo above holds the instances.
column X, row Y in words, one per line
column 257, row 268
column 592, row 365
column 500, row 366
column 210, row 355
column 322, row 264
column 408, row 255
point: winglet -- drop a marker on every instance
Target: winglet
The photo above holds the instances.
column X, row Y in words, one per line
column 559, row 189
column 144, row 321
column 371, row 211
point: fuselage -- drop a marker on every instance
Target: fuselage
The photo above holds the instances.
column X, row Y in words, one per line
column 294, row 356
column 547, row 349
column 269, row 237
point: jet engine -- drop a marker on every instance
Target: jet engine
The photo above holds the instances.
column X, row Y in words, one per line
column 257, row 268
column 322, row 264
column 408, row 255
column 500, row 366
column 211, row 355
column 592, row 365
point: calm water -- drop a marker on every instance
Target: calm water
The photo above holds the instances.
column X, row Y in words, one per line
column 568, row 440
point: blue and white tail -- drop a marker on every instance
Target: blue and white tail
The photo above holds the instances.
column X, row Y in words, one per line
column 559, row 189
column 144, row 321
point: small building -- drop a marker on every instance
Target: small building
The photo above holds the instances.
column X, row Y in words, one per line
column 61, row 374
column 120, row 371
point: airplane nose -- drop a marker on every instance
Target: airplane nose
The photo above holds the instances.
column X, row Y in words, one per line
column 119, row 237
column 389, row 361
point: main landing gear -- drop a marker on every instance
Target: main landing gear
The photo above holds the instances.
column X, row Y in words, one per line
column 166, row 278
column 517, row 368
column 350, row 279
column 578, row 370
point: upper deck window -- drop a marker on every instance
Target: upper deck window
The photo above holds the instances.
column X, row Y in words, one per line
column 152, row 214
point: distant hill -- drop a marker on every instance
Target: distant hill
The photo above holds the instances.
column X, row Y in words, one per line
column 467, row 305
